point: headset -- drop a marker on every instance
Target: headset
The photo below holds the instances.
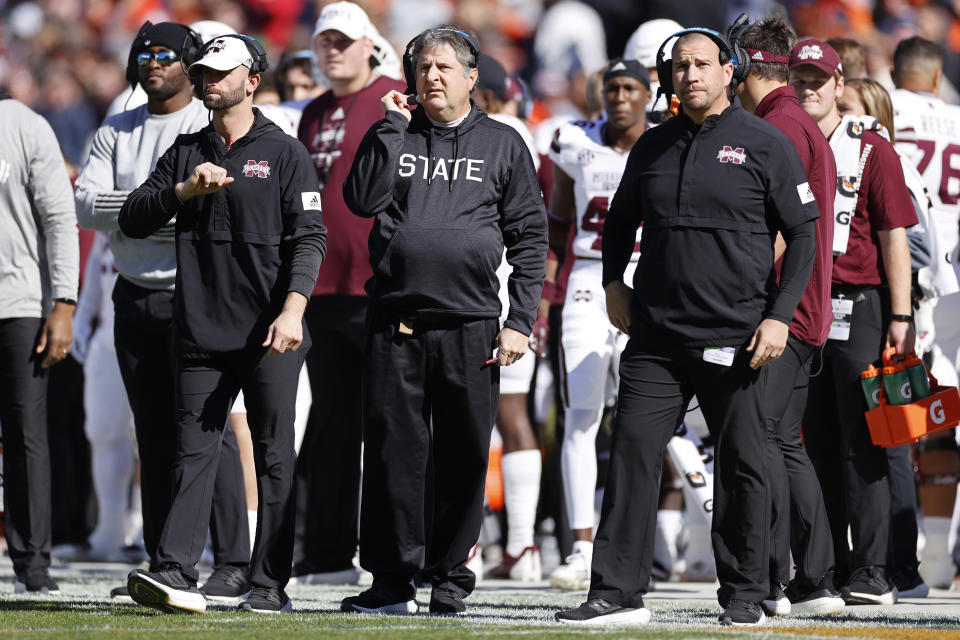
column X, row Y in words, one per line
column 746, row 56
column 189, row 51
column 727, row 54
column 410, row 74
column 257, row 53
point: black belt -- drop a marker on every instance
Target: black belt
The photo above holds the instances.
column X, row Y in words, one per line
column 855, row 291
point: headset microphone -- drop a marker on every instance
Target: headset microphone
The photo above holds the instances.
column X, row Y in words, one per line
column 413, row 100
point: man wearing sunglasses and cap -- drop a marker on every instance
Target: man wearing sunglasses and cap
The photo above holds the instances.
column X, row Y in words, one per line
column 250, row 240
column 125, row 150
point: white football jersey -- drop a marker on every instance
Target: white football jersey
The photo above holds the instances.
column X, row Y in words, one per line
column 596, row 170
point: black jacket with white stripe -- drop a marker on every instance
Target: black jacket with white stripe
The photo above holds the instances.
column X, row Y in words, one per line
column 239, row 250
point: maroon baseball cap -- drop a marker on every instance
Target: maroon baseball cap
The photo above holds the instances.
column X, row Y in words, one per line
column 819, row 54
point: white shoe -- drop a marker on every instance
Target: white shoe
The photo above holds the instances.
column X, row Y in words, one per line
column 572, row 576
column 475, row 561
column 776, row 604
column 526, row 567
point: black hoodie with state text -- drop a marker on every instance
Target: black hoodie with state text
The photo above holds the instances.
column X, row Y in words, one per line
column 447, row 201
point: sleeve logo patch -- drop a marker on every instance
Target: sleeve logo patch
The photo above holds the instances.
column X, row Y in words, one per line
column 805, row 192
column 311, row 200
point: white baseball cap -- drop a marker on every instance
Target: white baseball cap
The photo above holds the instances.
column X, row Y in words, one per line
column 223, row 54
column 646, row 40
column 347, row 18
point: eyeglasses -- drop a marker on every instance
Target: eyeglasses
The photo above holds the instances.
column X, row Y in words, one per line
column 163, row 58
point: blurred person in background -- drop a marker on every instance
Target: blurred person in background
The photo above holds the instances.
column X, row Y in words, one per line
column 853, row 57
column 295, row 77
column 66, row 109
column 642, row 46
column 589, row 159
column 38, row 294
column 328, row 468
column 521, row 462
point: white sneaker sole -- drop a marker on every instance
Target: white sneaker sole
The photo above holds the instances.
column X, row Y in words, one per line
column 398, row 609
column 21, row 587
column 284, row 609
column 150, row 593
column 758, row 623
column 820, row 606
column 776, row 607
column 568, row 583
column 234, row 600
column 634, row 617
column 889, row 597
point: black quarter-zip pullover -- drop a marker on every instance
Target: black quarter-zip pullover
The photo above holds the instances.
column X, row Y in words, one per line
column 241, row 249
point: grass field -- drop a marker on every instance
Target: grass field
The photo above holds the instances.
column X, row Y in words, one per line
column 496, row 610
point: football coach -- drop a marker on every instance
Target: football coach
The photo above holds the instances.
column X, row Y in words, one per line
column 250, row 241
column 449, row 188
column 712, row 187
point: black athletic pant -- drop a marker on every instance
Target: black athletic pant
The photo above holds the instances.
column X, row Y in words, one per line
column 853, row 472
column 143, row 334
column 328, row 467
column 26, row 456
column 799, row 516
column 426, row 397
column 205, row 391
column 656, row 383
column 903, row 510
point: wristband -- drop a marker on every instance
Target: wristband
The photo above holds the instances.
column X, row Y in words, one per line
column 901, row 318
column 66, row 301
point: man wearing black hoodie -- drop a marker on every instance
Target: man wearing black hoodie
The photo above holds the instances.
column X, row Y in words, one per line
column 250, row 240
column 449, row 189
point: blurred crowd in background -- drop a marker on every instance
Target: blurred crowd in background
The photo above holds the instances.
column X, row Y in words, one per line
column 66, row 58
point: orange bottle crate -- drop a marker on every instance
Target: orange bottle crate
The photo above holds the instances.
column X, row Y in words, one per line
column 895, row 424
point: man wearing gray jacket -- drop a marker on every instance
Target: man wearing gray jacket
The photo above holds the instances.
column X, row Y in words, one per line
column 39, row 269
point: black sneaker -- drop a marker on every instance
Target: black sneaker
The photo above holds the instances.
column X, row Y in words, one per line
column 742, row 613
column 909, row 584
column 378, row 600
column 598, row 613
column 266, row 600
column 121, row 594
column 777, row 603
column 36, row 582
column 869, row 585
column 227, row 584
column 446, row 601
column 822, row 600
column 165, row 589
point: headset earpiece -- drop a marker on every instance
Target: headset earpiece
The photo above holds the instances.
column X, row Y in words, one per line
column 741, row 60
column 665, row 67
column 133, row 76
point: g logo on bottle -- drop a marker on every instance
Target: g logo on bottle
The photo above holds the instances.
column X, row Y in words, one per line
column 937, row 413
column 905, row 391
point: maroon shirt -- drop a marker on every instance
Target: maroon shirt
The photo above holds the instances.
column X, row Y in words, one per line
column 883, row 203
column 331, row 128
column 811, row 322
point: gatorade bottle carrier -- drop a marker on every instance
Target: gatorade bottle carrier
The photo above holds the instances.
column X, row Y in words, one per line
column 895, row 424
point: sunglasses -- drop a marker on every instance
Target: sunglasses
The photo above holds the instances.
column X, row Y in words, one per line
column 163, row 58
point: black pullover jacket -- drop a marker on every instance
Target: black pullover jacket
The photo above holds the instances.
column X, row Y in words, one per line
column 241, row 249
column 447, row 200
column 711, row 199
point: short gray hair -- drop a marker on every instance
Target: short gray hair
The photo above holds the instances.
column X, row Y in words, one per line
column 439, row 36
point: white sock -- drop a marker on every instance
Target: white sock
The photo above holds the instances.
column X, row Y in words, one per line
column 112, row 462
column 585, row 548
column 669, row 525
column 578, row 458
column 252, row 523
column 936, row 566
column 521, row 490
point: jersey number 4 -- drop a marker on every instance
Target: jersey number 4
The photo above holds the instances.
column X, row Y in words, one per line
column 593, row 219
column 947, row 170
